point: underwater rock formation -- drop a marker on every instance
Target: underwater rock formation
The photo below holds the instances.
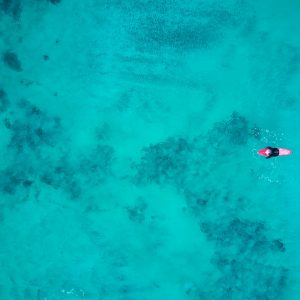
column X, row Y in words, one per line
column 164, row 162
column 174, row 25
column 34, row 130
column 12, row 61
column 73, row 178
column 4, row 103
column 13, row 178
column 54, row 1
column 245, row 253
column 136, row 213
column 11, row 7
column 34, row 137
column 233, row 131
column 246, row 257
column 178, row 160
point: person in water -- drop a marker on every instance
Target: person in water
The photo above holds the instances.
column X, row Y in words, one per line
column 272, row 152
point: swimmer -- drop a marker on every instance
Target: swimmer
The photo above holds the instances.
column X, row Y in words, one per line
column 272, row 152
column 269, row 152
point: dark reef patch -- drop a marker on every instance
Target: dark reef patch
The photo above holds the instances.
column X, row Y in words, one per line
column 178, row 161
column 244, row 234
column 159, row 34
column 233, row 131
column 198, row 200
column 4, row 103
column 73, row 178
column 11, row 7
column 242, row 247
column 136, row 213
column 34, row 130
column 54, row 1
column 164, row 162
column 11, row 60
column 97, row 165
column 172, row 24
column 14, row 177
column 36, row 138
column 246, row 253
column 63, row 176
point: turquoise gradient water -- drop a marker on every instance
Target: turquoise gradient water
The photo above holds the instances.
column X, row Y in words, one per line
column 129, row 138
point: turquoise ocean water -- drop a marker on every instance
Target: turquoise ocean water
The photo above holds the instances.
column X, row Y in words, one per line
column 129, row 132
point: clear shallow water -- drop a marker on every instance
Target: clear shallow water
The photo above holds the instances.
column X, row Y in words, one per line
column 128, row 142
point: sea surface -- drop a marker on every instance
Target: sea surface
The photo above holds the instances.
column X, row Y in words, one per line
column 129, row 139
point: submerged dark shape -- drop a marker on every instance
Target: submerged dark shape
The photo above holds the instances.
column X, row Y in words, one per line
column 98, row 164
column 11, row 178
column 174, row 25
column 11, row 7
column 54, row 1
column 31, row 111
column 12, row 61
column 4, row 103
column 181, row 36
column 136, row 213
column 164, row 162
column 26, row 135
column 75, row 176
column 62, row 175
column 196, row 201
column 246, row 235
column 32, row 129
column 237, row 129
column 233, row 131
column 9, row 181
column 243, row 256
column 6, row 5
column 278, row 245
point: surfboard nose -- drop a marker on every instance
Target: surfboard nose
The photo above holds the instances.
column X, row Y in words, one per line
column 262, row 152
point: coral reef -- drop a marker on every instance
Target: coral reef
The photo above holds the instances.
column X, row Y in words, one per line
column 4, row 102
column 13, row 178
column 32, row 131
column 165, row 25
column 178, row 160
column 54, row 1
column 242, row 249
column 11, row 7
column 245, row 251
column 164, row 162
column 136, row 213
column 12, row 61
column 34, row 141
column 233, row 131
